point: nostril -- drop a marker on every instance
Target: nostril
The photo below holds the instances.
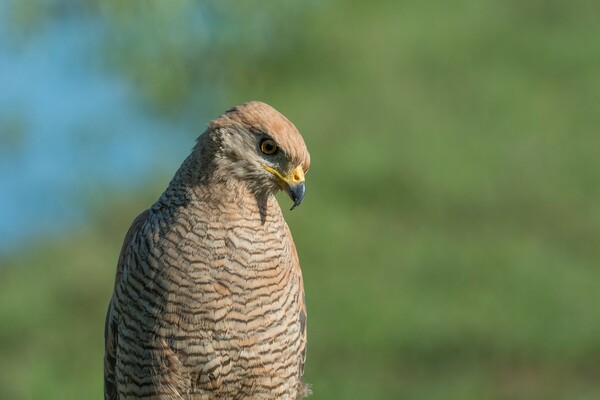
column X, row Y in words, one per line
column 296, row 178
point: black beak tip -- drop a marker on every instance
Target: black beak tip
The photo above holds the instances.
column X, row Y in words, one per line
column 296, row 192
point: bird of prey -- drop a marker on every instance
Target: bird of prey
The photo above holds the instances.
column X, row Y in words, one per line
column 208, row 301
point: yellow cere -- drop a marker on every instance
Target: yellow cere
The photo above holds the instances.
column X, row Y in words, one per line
column 297, row 176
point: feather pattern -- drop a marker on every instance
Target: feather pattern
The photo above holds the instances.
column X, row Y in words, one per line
column 208, row 301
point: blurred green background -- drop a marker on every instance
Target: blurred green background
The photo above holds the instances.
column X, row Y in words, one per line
column 450, row 238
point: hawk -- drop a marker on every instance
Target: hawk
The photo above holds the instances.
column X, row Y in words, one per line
column 208, row 301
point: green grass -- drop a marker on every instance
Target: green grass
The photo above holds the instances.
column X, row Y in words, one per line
column 449, row 238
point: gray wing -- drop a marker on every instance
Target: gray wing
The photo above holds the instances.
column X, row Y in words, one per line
column 304, row 389
column 110, row 324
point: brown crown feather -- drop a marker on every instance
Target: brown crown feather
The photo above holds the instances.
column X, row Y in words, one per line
column 261, row 117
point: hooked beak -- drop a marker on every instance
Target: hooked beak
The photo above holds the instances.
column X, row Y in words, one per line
column 293, row 184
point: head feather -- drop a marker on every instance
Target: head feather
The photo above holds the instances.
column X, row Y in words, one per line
column 262, row 118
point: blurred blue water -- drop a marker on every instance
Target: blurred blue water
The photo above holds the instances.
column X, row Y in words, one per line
column 67, row 127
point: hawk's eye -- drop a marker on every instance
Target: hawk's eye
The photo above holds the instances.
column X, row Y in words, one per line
column 268, row 147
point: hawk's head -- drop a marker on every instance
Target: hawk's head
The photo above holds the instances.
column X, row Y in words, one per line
column 257, row 144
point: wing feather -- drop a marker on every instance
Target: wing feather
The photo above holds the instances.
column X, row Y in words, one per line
column 110, row 325
column 304, row 389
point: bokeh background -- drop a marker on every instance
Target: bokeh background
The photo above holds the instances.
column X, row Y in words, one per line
column 450, row 238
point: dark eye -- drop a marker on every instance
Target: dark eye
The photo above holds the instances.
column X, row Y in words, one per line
column 268, row 147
